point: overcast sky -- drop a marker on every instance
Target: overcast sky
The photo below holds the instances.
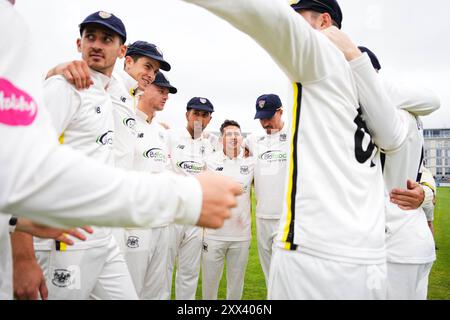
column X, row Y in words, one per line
column 209, row 58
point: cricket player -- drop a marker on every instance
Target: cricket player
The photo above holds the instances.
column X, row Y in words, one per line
column 410, row 244
column 85, row 121
column 64, row 188
column 147, row 250
column 270, row 152
column 188, row 149
column 232, row 241
column 130, row 99
column 429, row 188
column 330, row 242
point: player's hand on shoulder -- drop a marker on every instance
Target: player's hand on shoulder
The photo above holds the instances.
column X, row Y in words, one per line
column 75, row 72
column 343, row 42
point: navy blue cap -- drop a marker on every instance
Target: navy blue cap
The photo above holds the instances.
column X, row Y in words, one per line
column 198, row 103
column 267, row 105
column 107, row 20
column 329, row 6
column 373, row 58
column 161, row 81
column 145, row 49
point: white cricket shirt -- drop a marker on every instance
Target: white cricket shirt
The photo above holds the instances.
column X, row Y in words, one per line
column 84, row 120
column 334, row 200
column 270, row 152
column 61, row 187
column 187, row 155
column 124, row 111
column 240, row 170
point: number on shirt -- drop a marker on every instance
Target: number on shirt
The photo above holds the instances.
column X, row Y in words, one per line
column 363, row 154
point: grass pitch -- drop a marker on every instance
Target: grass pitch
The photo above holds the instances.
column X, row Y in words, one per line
column 439, row 285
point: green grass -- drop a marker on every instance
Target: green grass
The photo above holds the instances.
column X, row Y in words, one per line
column 439, row 286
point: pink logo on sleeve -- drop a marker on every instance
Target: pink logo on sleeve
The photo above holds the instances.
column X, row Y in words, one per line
column 17, row 108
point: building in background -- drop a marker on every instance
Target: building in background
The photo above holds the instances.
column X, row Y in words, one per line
column 437, row 153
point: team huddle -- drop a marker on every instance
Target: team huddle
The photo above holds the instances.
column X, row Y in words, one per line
column 343, row 200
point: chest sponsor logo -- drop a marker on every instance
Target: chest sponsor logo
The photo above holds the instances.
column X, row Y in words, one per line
column 61, row 278
column 17, row 108
column 140, row 135
column 123, row 99
column 106, row 138
column 219, row 169
column 181, row 146
column 283, row 137
column 273, row 155
column 133, row 242
column 245, row 170
column 155, row 154
column 129, row 123
column 261, row 139
column 190, row 166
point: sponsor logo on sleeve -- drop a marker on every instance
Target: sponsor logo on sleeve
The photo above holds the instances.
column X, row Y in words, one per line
column 17, row 108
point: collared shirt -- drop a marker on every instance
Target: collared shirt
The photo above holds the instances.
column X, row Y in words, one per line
column 151, row 151
column 334, row 194
column 188, row 155
column 271, row 156
column 84, row 121
column 240, row 170
column 125, row 103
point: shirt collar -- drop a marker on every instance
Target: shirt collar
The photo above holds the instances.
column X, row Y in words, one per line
column 142, row 115
column 128, row 81
column 100, row 79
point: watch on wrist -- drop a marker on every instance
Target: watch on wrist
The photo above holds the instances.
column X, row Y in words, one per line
column 12, row 224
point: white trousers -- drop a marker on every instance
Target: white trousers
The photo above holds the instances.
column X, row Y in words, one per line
column 408, row 281
column 266, row 230
column 147, row 257
column 185, row 251
column 213, row 257
column 94, row 273
column 6, row 272
column 298, row 276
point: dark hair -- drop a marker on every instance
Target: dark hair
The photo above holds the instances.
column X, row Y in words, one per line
column 229, row 123
column 135, row 58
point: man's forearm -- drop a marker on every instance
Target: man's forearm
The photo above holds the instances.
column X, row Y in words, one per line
column 22, row 246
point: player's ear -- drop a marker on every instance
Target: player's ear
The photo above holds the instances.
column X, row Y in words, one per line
column 79, row 45
column 326, row 21
column 122, row 51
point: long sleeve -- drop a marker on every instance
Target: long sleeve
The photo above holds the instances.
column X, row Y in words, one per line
column 384, row 120
column 304, row 54
column 66, row 189
column 55, row 185
column 416, row 99
column 61, row 100
column 429, row 187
